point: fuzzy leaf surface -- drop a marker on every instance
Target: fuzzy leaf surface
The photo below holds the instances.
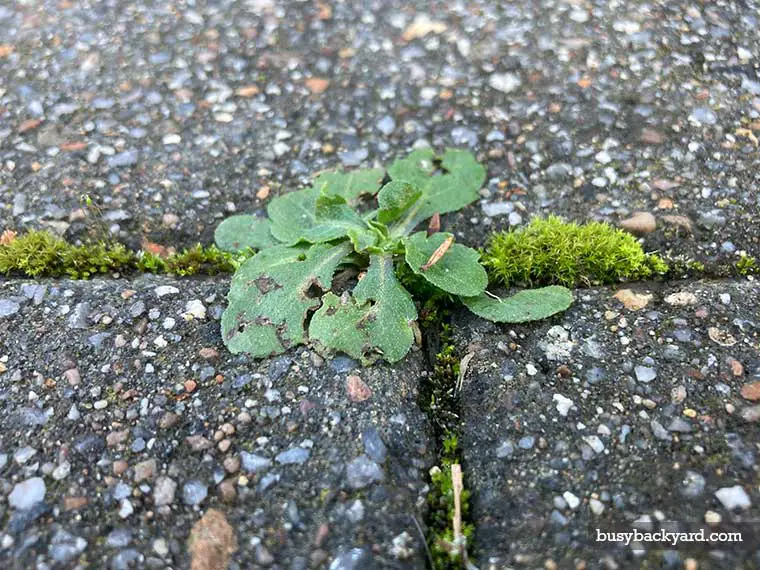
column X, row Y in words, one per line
column 441, row 192
column 312, row 216
column 390, row 316
column 377, row 317
column 363, row 240
column 336, row 326
column 395, row 198
column 458, row 271
column 292, row 214
column 237, row 233
column 351, row 184
column 269, row 297
column 527, row 305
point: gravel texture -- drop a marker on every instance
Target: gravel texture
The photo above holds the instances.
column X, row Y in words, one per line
column 125, row 419
column 173, row 116
column 122, row 427
column 605, row 417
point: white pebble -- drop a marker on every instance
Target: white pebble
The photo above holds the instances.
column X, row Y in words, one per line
column 572, row 500
column 564, row 404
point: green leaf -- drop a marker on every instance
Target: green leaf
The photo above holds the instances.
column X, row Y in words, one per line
column 334, row 210
column 389, row 319
column 441, row 193
column 335, row 326
column 352, row 184
column 238, row 233
column 458, row 271
column 527, row 305
column 378, row 317
column 395, row 198
column 363, row 240
column 315, row 217
column 270, row 296
column 415, row 168
column 292, row 214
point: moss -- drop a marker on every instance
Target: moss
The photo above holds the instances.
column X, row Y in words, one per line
column 441, row 510
column 747, row 265
column 697, row 266
column 440, row 401
column 40, row 254
column 84, row 261
column 549, row 251
column 439, row 393
column 197, row 260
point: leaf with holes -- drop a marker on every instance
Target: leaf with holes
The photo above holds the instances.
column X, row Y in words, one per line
column 346, row 221
column 457, row 271
column 238, row 233
column 376, row 320
column 272, row 293
column 392, row 311
column 528, row 305
column 336, row 326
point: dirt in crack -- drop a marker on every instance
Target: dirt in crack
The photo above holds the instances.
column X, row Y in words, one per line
column 450, row 532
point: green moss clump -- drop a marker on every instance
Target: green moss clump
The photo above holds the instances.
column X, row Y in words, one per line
column 441, row 514
column 197, row 260
column 84, row 261
column 440, row 401
column 747, row 265
column 550, row 251
column 32, row 254
column 41, row 254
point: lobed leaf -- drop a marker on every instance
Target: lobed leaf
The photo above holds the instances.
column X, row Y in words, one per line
column 441, row 192
column 458, row 271
column 378, row 317
column 390, row 317
column 527, row 305
column 350, row 185
column 336, row 326
column 271, row 295
column 237, row 233
column 311, row 216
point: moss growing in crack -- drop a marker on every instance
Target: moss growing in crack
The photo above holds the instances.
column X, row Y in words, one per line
column 440, row 401
column 747, row 265
column 441, row 505
column 440, row 391
column 197, row 260
column 550, row 251
column 41, row 254
column 697, row 266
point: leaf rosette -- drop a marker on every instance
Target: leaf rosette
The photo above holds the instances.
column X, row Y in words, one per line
column 316, row 242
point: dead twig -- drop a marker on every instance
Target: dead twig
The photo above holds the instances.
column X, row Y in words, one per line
column 463, row 365
column 438, row 253
column 434, row 225
column 460, row 541
column 424, row 541
column 457, row 486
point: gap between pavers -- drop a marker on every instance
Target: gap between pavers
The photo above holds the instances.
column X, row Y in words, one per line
column 121, row 398
column 604, row 415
